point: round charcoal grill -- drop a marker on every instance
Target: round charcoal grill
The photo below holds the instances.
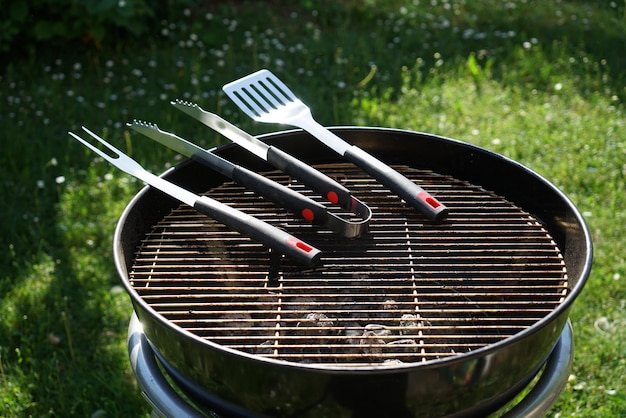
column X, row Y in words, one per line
column 410, row 291
column 419, row 318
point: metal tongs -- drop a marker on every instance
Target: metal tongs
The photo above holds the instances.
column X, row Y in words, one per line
column 269, row 235
column 315, row 179
column 301, row 205
column 265, row 98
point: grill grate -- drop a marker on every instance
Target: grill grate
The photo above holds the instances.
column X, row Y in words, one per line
column 410, row 291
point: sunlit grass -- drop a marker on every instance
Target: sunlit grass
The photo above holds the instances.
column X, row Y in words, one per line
column 541, row 82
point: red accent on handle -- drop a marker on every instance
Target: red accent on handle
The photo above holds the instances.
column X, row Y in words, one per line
column 301, row 245
column 308, row 214
column 332, row 197
column 425, row 197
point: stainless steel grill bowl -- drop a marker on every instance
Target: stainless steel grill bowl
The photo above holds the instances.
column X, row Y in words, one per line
column 415, row 319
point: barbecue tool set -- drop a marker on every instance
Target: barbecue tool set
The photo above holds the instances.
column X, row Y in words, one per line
column 263, row 97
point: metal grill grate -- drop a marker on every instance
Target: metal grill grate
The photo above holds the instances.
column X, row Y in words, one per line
column 409, row 291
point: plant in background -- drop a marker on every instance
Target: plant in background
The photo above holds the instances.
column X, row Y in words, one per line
column 22, row 23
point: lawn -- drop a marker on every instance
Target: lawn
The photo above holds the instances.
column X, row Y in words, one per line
column 541, row 82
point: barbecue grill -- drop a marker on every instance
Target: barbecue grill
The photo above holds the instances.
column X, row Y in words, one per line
column 415, row 318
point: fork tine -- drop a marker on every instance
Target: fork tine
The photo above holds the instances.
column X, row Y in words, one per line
column 96, row 150
column 118, row 153
column 119, row 159
column 87, row 144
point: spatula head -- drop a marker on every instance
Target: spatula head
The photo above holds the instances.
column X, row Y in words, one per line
column 260, row 93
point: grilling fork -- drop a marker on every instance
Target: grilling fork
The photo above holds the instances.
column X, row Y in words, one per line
column 269, row 235
column 302, row 205
column 265, row 98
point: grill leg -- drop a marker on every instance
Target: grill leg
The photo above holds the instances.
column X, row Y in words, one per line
column 164, row 400
column 546, row 391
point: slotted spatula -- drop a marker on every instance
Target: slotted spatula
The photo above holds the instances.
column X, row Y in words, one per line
column 265, row 98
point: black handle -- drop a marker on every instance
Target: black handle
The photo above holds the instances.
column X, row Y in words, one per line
column 269, row 235
column 301, row 205
column 320, row 182
column 413, row 194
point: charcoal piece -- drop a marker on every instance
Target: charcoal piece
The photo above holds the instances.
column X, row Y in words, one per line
column 318, row 320
column 315, row 323
column 300, row 303
column 387, row 309
column 265, row 348
column 353, row 333
column 378, row 330
column 390, row 305
column 406, row 341
column 371, row 343
column 408, row 323
column 236, row 320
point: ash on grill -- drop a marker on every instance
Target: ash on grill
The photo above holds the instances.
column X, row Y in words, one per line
column 410, row 291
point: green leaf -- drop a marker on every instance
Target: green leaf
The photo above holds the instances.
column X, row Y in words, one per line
column 473, row 66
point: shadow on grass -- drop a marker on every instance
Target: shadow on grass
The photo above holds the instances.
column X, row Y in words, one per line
column 62, row 332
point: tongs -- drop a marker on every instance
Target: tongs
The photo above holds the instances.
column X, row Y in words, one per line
column 301, row 205
column 248, row 225
column 265, row 98
column 316, row 180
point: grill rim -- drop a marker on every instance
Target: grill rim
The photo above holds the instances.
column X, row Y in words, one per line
column 225, row 150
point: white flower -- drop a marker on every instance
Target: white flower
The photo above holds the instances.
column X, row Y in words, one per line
column 59, row 180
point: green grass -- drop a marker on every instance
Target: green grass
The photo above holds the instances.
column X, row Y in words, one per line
column 541, row 82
